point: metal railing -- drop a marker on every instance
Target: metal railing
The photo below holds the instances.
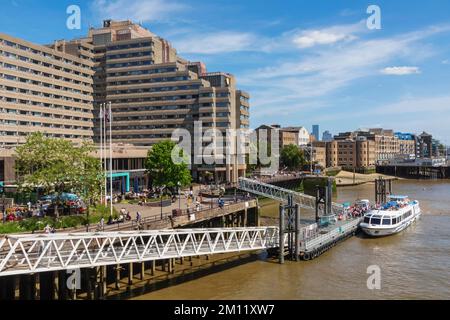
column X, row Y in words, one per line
column 22, row 254
column 282, row 195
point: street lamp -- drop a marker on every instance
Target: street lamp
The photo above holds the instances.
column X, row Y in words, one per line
column 179, row 195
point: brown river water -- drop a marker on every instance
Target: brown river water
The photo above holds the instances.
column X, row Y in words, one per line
column 415, row 264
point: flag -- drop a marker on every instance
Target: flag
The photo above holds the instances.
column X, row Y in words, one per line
column 108, row 114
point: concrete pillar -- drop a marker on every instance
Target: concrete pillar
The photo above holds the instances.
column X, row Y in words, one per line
column 7, row 287
column 297, row 232
column 97, row 282
column 170, row 265
column 104, row 283
column 142, row 273
column 117, row 277
column 62, row 285
column 87, row 275
column 153, row 267
column 47, row 285
column 281, row 234
column 27, row 287
column 130, row 274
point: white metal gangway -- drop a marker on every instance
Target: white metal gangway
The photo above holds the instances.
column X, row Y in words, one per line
column 23, row 254
column 282, row 195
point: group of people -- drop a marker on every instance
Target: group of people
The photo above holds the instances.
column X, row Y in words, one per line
column 123, row 216
column 49, row 229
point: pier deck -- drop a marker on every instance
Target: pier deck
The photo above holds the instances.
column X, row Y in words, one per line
column 328, row 237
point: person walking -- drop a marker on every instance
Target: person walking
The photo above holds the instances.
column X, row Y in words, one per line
column 138, row 217
column 101, row 224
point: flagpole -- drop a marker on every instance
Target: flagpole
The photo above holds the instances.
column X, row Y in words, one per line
column 110, row 156
column 105, row 139
column 101, row 151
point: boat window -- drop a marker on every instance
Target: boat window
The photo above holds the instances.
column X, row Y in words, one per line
column 386, row 222
column 394, row 220
column 376, row 221
column 366, row 219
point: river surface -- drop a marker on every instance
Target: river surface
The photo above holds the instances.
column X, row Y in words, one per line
column 414, row 264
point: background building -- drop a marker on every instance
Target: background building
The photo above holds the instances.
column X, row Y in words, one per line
column 42, row 89
column 58, row 89
column 315, row 132
column 351, row 153
column 407, row 144
column 327, row 136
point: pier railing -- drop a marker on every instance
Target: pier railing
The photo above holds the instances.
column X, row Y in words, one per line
column 282, row 195
column 23, row 254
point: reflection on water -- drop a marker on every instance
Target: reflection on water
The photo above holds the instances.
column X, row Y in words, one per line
column 415, row 264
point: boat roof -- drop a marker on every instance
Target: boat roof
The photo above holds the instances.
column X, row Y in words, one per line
column 398, row 197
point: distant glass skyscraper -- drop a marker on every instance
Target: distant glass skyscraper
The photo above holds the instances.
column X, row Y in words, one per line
column 327, row 136
column 315, row 131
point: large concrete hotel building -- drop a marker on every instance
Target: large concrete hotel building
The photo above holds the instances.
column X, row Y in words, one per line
column 153, row 91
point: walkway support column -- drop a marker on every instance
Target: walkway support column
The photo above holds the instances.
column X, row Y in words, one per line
column 27, row 287
column 281, row 234
column 46, row 285
column 297, row 232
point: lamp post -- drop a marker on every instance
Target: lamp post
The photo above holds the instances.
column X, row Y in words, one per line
column 179, row 195
column 160, row 197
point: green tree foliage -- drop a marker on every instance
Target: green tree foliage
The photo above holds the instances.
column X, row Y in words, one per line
column 56, row 165
column 162, row 169
column 292, row 157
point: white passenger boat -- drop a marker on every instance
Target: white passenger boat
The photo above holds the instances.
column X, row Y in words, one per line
column 390, row 218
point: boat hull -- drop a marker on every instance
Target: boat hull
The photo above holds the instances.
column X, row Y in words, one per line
column 384, row 232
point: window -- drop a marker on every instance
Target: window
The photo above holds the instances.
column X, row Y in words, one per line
column 375, row 221
column 386, row 221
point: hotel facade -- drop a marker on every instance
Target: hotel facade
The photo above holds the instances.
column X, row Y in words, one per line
column 58, row 89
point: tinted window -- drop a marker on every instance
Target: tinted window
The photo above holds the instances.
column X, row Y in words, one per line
column 376, row 221
column 366, row 220
column 386, row 221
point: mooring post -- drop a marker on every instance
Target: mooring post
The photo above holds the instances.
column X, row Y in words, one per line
column 153, row 267
column 297, row 232
column 88, row 283
column 130, row 273
column 104, row 281
column 62, row 285
column 117, row 278
column 27, row 287
column 281, row 234
column 142, row 270
column 318, row 197
column 329, row 197
column 46, row 285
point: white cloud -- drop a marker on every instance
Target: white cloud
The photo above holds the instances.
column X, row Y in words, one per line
column 216, row 43
column 316, row 37
column 137, row 10
column 326, row 36
column 294, row 82
column 400, row 71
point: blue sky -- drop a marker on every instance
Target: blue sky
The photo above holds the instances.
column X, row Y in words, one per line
column 303, row 62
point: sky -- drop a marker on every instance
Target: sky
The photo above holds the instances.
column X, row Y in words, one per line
column 303, row 62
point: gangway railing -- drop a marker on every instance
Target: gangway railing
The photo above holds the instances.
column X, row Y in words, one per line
column 282, row 195
column 23, row 254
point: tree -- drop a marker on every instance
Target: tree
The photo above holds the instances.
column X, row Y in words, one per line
column 56, row 166
column 292, row 157
column 162, row 169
